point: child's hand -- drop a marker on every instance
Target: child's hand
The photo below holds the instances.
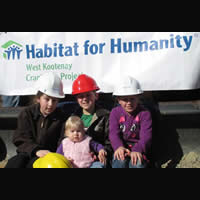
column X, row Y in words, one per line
column 70, row 159
column 42, row 153
column 135, row 156
column 94, row 157
column 102, row 156
column 121, row 153
column 72, row 162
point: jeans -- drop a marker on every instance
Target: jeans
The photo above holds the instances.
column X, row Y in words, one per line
column 127, row 163
column 97, row 164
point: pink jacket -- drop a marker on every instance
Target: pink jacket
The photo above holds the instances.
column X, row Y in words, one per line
column 78, row 152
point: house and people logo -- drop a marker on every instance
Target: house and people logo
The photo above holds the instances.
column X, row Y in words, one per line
column 12, row 50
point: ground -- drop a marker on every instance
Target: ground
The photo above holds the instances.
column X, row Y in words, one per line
column 190, row 160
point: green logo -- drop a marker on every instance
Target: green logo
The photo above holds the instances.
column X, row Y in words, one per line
column 12, row 50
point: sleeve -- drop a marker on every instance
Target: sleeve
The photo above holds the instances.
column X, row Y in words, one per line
column 145, row 139
column 24, row 138
column 95, row 146
column 62, row 134
column 107, row 144
column 114, row 131
column 60, row 149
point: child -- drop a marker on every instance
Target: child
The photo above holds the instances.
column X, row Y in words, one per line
column 130, row 126
column 77, row 146
column 39, row 125
column 95, row 118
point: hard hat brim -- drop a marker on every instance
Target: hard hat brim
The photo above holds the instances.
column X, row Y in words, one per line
column 84, row 91
column 128, row 93
column 53, row 94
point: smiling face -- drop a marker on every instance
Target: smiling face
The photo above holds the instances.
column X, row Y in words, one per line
column 129, row 103
column 47, row 104
column 87, row 101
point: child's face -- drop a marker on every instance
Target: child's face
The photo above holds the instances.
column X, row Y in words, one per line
column 75, row 134
column 129, row 103
column 87, row 100
column 47, row 104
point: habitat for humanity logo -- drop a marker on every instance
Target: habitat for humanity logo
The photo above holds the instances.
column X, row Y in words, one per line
column 12, row 50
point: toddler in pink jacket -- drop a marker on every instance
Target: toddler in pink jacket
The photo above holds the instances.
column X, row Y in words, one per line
column 78, row 147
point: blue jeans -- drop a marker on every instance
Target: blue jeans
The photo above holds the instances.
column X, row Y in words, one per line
column 127, row 163
column 97, row 164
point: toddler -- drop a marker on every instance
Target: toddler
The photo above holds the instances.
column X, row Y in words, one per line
column 77, row 147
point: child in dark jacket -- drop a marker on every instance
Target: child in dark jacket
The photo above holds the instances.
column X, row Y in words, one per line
column 39, row 125
column 95, row 118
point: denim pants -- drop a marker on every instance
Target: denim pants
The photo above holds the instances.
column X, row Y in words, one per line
column 97, row 164
column 127, row 163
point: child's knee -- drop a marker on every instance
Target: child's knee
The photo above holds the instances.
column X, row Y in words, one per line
column 119, row 163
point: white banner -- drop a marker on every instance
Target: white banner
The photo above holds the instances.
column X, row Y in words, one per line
column 158, row 60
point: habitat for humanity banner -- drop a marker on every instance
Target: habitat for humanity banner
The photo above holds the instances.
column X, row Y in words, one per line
column 158, row 60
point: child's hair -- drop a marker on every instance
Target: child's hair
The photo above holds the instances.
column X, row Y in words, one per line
column 74, row 121
column 37, row 96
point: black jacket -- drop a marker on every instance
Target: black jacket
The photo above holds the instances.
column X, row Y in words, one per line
column 99, row 128
column 36, row 132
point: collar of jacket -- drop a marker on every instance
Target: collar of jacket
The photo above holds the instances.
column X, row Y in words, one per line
column 135, row 112
column 37, row 113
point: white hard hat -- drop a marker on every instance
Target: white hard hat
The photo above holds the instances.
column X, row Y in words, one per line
column 127, row 86
column 51, row 85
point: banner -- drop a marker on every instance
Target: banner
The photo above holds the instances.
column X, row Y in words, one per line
column 158, row 60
